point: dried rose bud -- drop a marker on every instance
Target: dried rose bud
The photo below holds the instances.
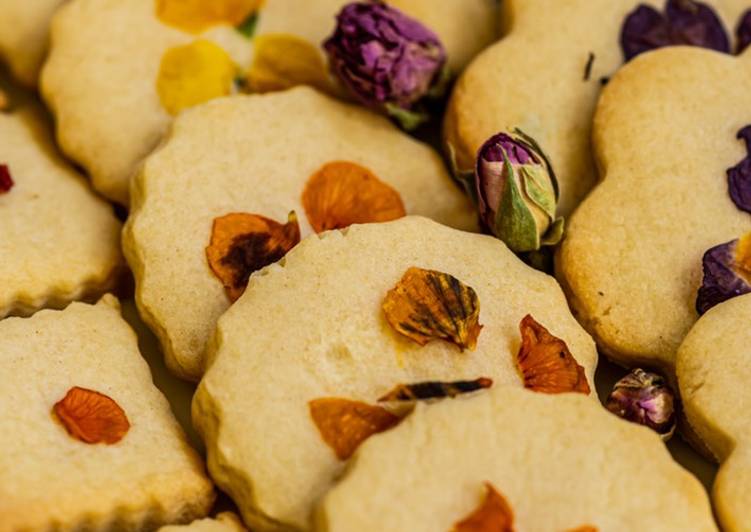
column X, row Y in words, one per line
column 743, row 32
column 517, row 192
column 6, row 181
column 644, row 398
column 685, row 22
column 739, row 177
column 386, row 59
column 727, row 273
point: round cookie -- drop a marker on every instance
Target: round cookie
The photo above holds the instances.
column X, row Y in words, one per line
column 664, row 136
column 59, row 242
column 714, row 368
column 101, row 82
column 313, row 327
column 24, row 36
column 560, row 463
column 255, row 154
column 539, row 78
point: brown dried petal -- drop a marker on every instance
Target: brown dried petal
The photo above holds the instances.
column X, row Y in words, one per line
column 493, row 515
column 427, row 305
column 435, row 389
column 343, row 193
column 546, row 363
column 345, row 424
column 91, row 417
column 243, row 243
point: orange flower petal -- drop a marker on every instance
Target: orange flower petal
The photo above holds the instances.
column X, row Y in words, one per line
column 546, row 363
column 428, row 305
column 584, row 528
column 243, row 243
column 493, row 515
column 342, row 193
column 91, row 417
column 345, row 424
column 195, row 16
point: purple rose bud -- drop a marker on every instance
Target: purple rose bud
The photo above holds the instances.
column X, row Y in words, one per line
column 685, row 22
column 727, row 273
column 644, row 398
column 743, row 32
column 386, row 59
column 739, row 177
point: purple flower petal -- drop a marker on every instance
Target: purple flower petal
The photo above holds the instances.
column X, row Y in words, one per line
column 725, row 274
column 6, row 181
column 644, row 398
column 685, row 22
column 743, row 32
column 739, row 176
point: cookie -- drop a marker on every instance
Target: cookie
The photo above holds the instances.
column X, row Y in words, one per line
column 545, row 80
column 224, row 522
column 331, row 163
column 351, row 317
column 632, row 259
column 436, row 471
column 713, row 367
column 24, row 36
column 88, row 441
column 59, row 242
column 118, row 71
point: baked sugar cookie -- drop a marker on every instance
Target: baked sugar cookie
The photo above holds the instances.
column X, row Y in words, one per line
column 714, row 366
column 520, row 459
column 24, row 36
column 632, row 259
column 59, row 242
column 329, row 163
column 88, row 441
column 119, row 70
column 544, row 77
column 224, row 522
column 334, row 343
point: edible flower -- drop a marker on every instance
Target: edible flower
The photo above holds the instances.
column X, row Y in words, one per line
column 743, row 32
column 727, row 273
column 6, row 181
column 739, row 176
column 645, row 398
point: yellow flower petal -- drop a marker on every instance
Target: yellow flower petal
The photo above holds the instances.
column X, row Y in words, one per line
column 195, row 16
column 193, row 74
column 282, row 61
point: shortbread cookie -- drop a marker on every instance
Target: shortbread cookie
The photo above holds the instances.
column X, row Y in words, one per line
column 224, row 522
column 88, row 441
column 544, row 77
column 632, row 259
column 559, row 463
column 331, row 163
column 117, row 72
column 58, row 242
column 714, row 368
column 24, row 36
column 333, row 334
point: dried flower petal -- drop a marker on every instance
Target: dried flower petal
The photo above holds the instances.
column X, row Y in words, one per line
column 493, row 515
column 343, row 193
column 244, row 243
column 435, row 389
column 195, row 16
column 345, row 424
column 584, row 528
column 6, row 181
column 428, row 305
column 743, row 32
column 546, row 364
column 282, row 61
column 91, row 417
column 685, row 22
column 645, row 398
column 727, row 273
column 193, row 74
column 739, row 177
column 4, row 102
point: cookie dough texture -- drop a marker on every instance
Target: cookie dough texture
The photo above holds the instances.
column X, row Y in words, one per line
column 714, row 369
column 465, row 27
column 534, row 79
column 24, row 36
column 312, row 327
column 560, row 461
column 254, row 154
column 224, row 522
column 100, row 83
column 53, row 481
column 59, row 242
column 664, row 137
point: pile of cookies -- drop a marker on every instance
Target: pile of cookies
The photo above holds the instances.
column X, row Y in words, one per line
column 386, row 241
